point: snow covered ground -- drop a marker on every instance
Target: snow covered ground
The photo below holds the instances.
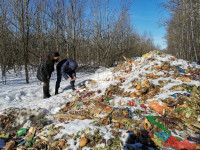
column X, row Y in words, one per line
column 16, row 93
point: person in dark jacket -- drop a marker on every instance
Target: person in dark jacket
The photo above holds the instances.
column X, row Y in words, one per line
column 45, row 70
column 66, row 68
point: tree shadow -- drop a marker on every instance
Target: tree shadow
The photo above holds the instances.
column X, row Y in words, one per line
column 83, row 82
column 66, row 88
column 78, row 84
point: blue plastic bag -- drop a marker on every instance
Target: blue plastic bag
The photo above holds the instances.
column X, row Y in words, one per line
column 162, row 135
column 2, row 143
column 181, row 71
column 134, row 58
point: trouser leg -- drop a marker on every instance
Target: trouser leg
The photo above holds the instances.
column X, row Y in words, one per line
column 59, row 77
column 72, row 82
column 48, row 93
column 45, row 91
column 72, row 85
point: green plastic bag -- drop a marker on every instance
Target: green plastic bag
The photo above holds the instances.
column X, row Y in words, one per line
column 108, row 99
column 31, row 142
column 152, row 120
column 21, row 132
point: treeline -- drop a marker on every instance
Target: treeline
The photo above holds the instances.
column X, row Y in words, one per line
column 183, row 29
column 93, row 32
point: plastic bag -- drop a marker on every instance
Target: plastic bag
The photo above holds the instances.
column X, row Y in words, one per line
column 152, row 120
column 172, row 141
column 162, row 135
column 156, row 106
column 181, row 71
column 4, row 136
column 2, row 143
column 146, row 55
column 184, row 144
column 158, row 141
column 21, row 132
column 143, row 106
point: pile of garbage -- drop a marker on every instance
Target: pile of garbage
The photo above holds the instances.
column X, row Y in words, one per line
column 148, row 102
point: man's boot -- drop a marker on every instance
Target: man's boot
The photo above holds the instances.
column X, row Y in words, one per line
column 48, row 93
column 72, row 85
column 45, row 92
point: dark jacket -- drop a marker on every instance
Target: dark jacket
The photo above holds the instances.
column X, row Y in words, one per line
column 67, row 67
column 46, row 68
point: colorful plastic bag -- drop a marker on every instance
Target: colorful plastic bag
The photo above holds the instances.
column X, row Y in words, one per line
column 21, row 132
column 155, row 106
column 162, row 135
column 2, row 143
column 152, row 120
column 184, row 144
column 146, row 55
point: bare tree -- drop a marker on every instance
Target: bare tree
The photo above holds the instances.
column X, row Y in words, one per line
column 183, row 29
column 22, row 11
column 96, row 33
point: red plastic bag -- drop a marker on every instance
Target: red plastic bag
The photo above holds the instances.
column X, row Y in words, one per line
column 172, row 141
column 131, row 103
column 143, row 106
column 184, row 144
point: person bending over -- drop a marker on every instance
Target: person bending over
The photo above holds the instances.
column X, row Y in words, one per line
column 66, row 68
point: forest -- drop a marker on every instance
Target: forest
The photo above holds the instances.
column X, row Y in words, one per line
column 93, row 32
column 183, row 29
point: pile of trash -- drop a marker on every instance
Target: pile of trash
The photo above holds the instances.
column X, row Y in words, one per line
column 148, row 102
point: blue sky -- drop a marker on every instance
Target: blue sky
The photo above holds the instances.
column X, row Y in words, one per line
column 145, row 15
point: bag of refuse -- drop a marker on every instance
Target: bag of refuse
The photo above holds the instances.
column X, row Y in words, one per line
column 172, row 141
column 2, row 143
column 184, row 144
column 156, row 106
